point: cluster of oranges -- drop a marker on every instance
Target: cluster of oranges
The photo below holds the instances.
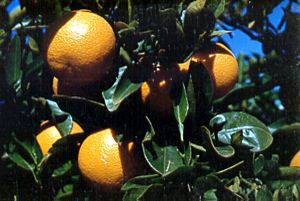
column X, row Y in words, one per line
column 79, row 49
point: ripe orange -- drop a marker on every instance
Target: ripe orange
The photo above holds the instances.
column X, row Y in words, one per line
column 104, row 162
column 222, row 67
column 49, row 134
column 156, row 92
column 79, row 47
column 296, row 160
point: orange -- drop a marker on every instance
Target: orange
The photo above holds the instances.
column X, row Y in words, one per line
column 156, row 92
column 221, row 65
column 104, row 162
column 49, row 135
column 296, row 160
column 89, row 91
column 79, row 47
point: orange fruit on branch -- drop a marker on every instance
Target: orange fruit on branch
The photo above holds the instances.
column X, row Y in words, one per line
column 79, row 47
column 295, row 160
column 50, row 134
column 104, row 162
column 156, row 91
column 221, row 65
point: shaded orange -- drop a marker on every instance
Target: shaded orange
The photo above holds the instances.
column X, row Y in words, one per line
column 296, row 160
column 50, row 134
column 221, row 65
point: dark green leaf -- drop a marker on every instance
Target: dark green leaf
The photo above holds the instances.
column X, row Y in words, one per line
column 31, row 149
column 120, row 90
column 62, row 120
column 225, row 151
column 182, row 107
column 259, row 163
column 243, row 130
column 65, row 191
column 217, row 6
column 13, row 70
column 137, row 194
column 203, row 87
column 188, row 155
column 163, row 160
column 33, row 44
column 33, row 68
column 205, row 183
column 263, row 194
column 63, row 169
column 143, row 180
column 20, row 161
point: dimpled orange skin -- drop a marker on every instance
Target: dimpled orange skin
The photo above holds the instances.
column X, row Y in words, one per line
column 79, row 47
column 103, row 162
column 221, row 65
column 295, row 162
column 50, row 134
column 155, row 92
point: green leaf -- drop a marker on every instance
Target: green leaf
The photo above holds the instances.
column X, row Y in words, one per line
column 210, row 195
column 182, row 107
column 13, row 70
column 219, row 33
column 64, row 191
column 203, row 87
column 31, row 149
column 259, row 163
column 163, row 160
column 143, row 180
column 32, row 69
column 20, row 161
column 62, row 120
column 205, row 183
column 120, row 90
column 188, row 154
column 221, row 151
column 263, row 194
column 243, row 130
column 217, row 6
column 63, row 169
column 33, row 44
column 137, row 194
column 3, row 35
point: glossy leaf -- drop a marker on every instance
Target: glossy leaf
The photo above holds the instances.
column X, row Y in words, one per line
column 182, row 107
column 62, row 120
column 13, row 70
column 222, row 151
column 63, row 169
column 162, row 160
column 120, row 90
column 210, row 195
column 243, row 130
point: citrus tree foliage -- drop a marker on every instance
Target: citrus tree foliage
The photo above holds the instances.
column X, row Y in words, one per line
column 237, row 147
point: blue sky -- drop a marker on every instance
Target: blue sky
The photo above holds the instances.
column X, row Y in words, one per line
column 242, row 43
